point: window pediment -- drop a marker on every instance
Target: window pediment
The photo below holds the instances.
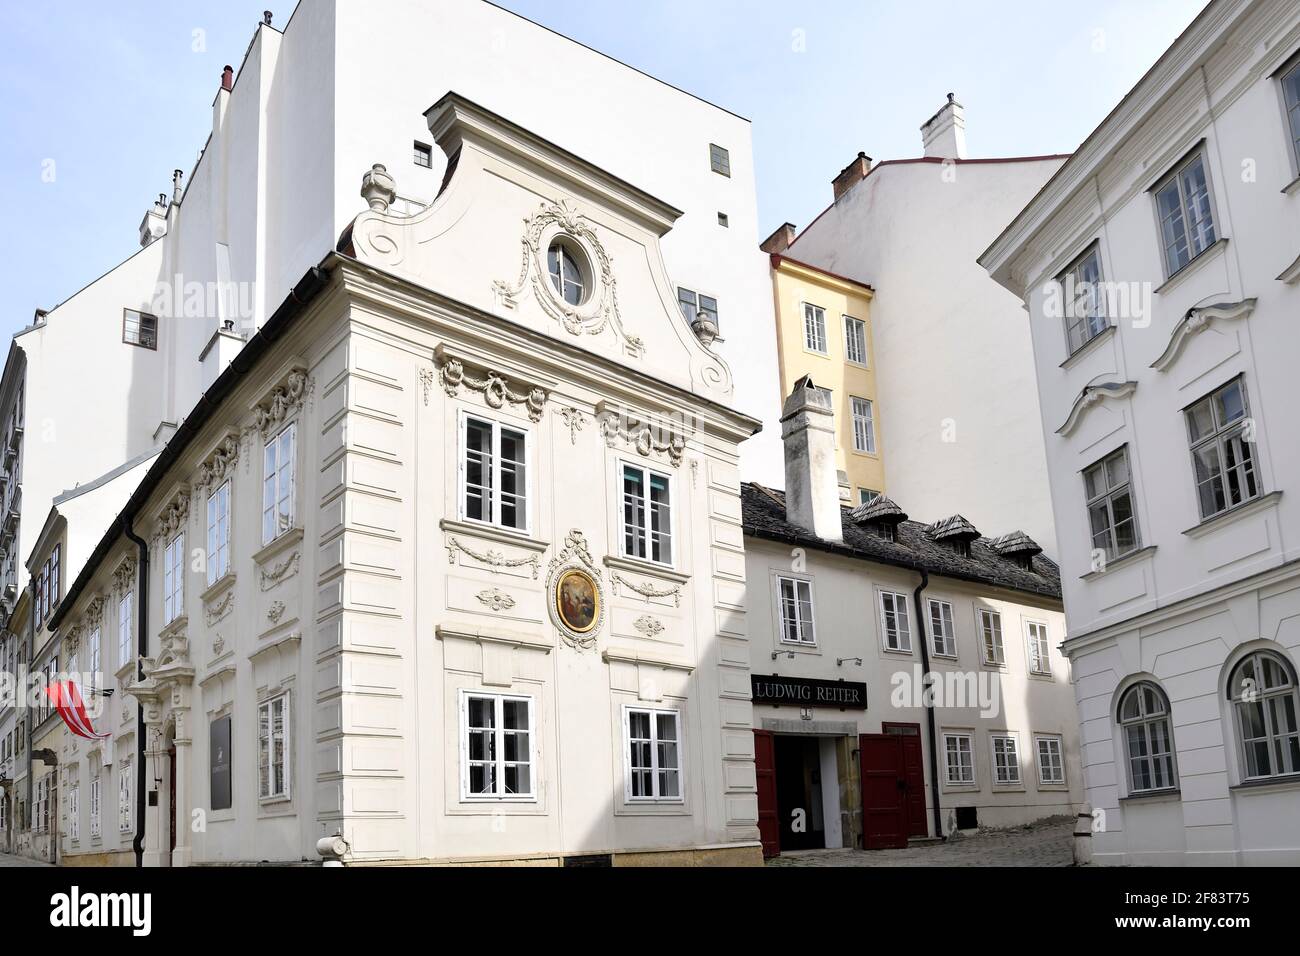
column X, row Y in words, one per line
column 1197, row 320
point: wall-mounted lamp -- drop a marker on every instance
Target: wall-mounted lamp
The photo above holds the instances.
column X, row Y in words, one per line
column 789, row 654
column 839, row 661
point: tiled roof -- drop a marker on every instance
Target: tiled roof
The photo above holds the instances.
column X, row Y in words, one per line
column 879, row 509
column 763, row 516
column 953, row 527
column 1017, row 542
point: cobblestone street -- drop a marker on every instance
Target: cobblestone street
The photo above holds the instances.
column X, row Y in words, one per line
column 1045, row 843
column 7, row 859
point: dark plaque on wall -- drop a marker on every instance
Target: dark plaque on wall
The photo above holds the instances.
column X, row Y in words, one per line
column 808, row 692
column 219, row 755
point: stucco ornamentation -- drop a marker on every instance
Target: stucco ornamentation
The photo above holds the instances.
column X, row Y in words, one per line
column 644, row 436
column 282, row 400
column 574, row 421
column 275, row 612
column 495, row 387
column 281, row 572
column 426, row 384
column 174, row 516
column 649, row 626
column 494, row 559
column 219, row 464
column 647, row 591
column 600, row 310
column 495, row 599
column 124, row 575
column 220, row 608
column 576, row 556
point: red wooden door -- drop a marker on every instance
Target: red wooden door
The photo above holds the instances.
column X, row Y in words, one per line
column 913, row 776
column 769, row 821
column 884, row 810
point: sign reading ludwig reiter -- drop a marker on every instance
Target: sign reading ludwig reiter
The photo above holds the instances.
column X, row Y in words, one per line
column 808, row 692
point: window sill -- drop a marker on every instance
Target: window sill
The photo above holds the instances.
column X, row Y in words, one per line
column 495, row 533
column 282, row 543
column 1205, row 255
column 218, row 587
column 1088, row 347
column 788, row 647
column 1291, row 188
column 1244, row 510
column 936, row 656
column 1053, row 788
column 1042, row 675
column 1268, row 784
column 1168, row 795
column 862, row 365
column 897, row 652
column 1113, row 563
column 642, row 566
column 1008, row 788
column 993, row 666
column 961, row 788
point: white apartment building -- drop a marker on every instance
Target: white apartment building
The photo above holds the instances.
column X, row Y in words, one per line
column 847, row 610
column 954, row 365
column 453, row 546
column 1159, row 267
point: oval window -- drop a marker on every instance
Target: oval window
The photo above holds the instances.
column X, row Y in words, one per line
column 568, row 274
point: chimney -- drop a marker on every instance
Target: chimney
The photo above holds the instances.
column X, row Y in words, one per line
column 228, row 78
column 177, row 190
column 943, row 135
column 266, row 17
column 780, row 240
column 851, row 175
column 812, row 497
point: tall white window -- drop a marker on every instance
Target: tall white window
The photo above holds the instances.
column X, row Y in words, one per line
column 1036, row 637
column 277, row 484
column 1222, row 457
column 94, row 806
column 219, row 533
column 814, row 328
column 855, row 340
column 1291, row 95
column 1264, row 694
column 125, row 810
column 942, row 635
column 795, row 600
column 1006, row 759
column 96, row 662
column 654, row 754
column 1051, row 764
column 1110, row 505
column 864, row 429
column 494, row 473
column 959, row 758
column 1184, row 209
column 496, row 747
column 1084, row 300
column 74, row 812
column 1148, row 741
column 174, row 579
column 647, row 515
column 273, row 748
column 125, row 623
column 893, row 622
column 991, row 632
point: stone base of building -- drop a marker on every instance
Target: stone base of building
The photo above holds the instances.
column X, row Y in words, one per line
column 721, row 855
column 110, row 858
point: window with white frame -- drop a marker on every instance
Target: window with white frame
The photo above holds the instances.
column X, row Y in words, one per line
column 894, row 627
column 139, row 329
column 959, row 758
column 1084, row 300
column 125, row 621
column 1110, row 505
column 855, row 340
column 942, row 635
column 1051, row 763
column 1263, row 691
column 1223, row 457
column 991, row 633
column 74, row 813
column 96, row 663
column 125, row 810
column 719, row 160
column 1291, row 97
column 1185, row 211
column 494, row 473
column 4, row 812
column 864, row 429
column 219, row 533
column 94, row 806
column 647, row 514
column 174, row 579
column 1036, row 638
column 654, row 754
column 273, row 748
column 1148, row 742
column 814, row 328
column 866, row 494
column 1006, row 759
column 794, row 597
column 277, row 484
column 496, row 747
column 693, row 303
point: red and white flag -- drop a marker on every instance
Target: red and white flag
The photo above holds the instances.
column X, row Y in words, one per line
column 67, row 701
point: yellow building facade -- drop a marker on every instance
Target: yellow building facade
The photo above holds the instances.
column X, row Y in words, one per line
column 823, row 329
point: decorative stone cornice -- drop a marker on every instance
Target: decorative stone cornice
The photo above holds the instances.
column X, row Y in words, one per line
column 219, row 464
column 174, row 515
column 494, row 386
column 643, row 434
column 1197, row 320
column 124, row 575
column 1091, row 396
column 1291, row 274
column 95, row 611
column 282, row 401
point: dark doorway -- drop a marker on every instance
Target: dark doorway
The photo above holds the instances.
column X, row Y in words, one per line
column 769, row 817
column 884, row 786
column 913, row 776
column 799, row 793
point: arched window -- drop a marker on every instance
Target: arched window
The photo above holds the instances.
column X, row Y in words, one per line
column 568, row 274
column 1263, row 693
column 1148, row 739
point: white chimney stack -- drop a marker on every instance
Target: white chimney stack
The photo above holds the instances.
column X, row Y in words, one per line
column 943, row 135
column 812, row 498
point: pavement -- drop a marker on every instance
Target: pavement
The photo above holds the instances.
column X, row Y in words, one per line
column 1043, row 843
column 7, row 859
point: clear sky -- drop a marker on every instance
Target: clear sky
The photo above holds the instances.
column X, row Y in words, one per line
column 99, row 101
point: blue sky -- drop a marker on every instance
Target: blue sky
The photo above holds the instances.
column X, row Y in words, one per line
column 100, row 101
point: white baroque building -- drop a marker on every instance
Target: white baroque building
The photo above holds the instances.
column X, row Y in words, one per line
column 447, row 564
column 1159, row 267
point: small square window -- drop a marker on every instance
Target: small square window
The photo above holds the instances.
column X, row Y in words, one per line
column 719, row 160
column 723, row 220
column 140, row 329
column 423, row 155
column 693, row 303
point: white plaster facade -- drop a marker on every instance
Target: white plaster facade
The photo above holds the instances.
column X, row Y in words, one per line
column 379, row 603
column 954, row 365
column 1203, row 584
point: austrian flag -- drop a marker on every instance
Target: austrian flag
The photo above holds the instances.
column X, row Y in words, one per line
column 67, row 700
